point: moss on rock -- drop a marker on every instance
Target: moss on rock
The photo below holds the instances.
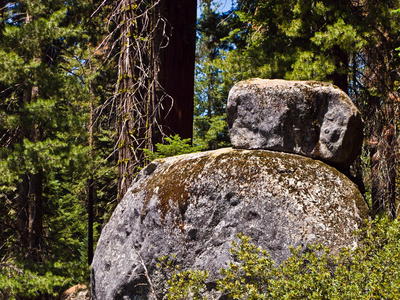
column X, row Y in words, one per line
column 194, row 205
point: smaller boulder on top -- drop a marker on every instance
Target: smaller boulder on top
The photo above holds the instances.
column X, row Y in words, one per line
column 310, row 118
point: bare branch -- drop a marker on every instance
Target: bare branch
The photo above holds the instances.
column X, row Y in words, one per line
column 146, row 274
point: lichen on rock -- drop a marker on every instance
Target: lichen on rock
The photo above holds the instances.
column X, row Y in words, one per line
column 310, row 118
column 194, row 205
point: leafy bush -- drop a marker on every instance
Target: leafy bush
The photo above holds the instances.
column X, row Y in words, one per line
column 371, row 271
column 187, row 285
column 175, row 146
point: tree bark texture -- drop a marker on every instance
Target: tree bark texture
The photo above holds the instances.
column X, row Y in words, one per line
column 156, row 79
column 177, row 67
column 125, row 114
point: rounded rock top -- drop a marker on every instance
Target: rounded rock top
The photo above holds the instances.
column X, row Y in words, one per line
column 193, row 206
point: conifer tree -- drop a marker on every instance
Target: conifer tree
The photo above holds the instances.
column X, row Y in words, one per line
column 44, row 163
column 350, row 43
column 155, row 44
column 210, row 126
column 32, row 118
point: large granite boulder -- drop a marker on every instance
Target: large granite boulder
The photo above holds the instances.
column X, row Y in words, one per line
column 194, row 205
column 305, row 117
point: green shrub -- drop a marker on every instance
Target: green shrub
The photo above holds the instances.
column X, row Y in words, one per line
column 371, row 271
column 39, row 282
column 187, row 285
column 175, row 146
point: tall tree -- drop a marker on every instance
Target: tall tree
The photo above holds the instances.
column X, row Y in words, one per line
column 350, row 43
column 377, row 80
column 210, row 126
column 155, row 41
column 44, row 112
column 30, row 82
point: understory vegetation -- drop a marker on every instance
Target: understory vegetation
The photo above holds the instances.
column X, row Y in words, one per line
column 369, row 271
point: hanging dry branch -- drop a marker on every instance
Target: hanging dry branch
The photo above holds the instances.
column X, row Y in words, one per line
column 139, row 32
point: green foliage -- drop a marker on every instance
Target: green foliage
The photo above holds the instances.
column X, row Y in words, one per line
column 211, row 132
column 48, row 77
column 210, row 128
column 252, row 276
column 17, row 281
column 187, row 285
column 370, row 271
column 183, row 284
column 351, row 44
column 175, row 146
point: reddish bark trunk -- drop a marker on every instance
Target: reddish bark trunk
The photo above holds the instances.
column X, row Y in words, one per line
column 177, row 68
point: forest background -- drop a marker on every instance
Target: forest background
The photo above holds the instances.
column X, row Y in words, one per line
column 75, row 127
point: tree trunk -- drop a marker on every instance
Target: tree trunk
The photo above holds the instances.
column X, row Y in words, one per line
column 23, row 213
column 340, row 76
column 90, row 219
column 35, row 216
column 156, row 79
column 91, row 184
column 30, row 215
column 126, row 74
column 177, row 67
